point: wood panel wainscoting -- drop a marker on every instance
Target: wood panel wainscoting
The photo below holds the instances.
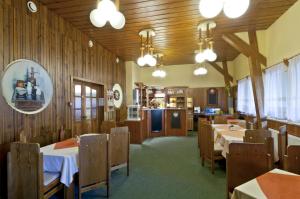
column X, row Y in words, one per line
column 292, row 129
column 64, row 52
column 200, row 97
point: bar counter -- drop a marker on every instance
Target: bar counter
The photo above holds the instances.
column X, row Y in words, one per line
column 157, row 123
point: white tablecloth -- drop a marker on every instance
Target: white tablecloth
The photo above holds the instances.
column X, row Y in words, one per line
column 223, row 139
column 251, row 189
column 64, row 161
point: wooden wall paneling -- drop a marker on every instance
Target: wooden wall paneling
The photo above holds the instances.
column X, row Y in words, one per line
column 63, row 51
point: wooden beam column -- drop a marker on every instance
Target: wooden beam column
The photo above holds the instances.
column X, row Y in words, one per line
column 256, row 79
column 255, row 60
column 221, row 70
column 226, row 75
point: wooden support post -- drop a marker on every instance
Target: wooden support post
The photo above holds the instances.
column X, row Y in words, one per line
column 256, row 79
column 228, row 86
column 221, row 70
column 226, row 74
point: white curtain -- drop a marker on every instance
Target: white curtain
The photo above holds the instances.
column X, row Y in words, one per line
column 245, row 101
column 275, row 96
column 293, row 87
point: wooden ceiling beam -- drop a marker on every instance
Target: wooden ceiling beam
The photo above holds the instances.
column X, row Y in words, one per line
column 221, row 70
column 244, row 48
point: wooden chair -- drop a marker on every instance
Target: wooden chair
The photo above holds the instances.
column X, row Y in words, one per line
column 94, row 163
column 262, row 136
column 4, row 149
column 26, row 178
column 106, row 126
column 65, row 134
column 244, row 162
column 201, row 129
column 22, row 137
column 292, row 159
column 119, row 142
column 282, row 144
column 42, row 140
column 211, row 151
column 220, row 119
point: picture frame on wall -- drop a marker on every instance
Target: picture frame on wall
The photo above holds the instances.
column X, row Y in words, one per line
column 26, row 86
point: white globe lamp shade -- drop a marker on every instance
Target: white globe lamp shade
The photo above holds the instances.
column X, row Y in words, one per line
column 117, row 20
column 212, row 56
column 97, row 18
column 107, row 7
column 152, row 62
column 141, row 61
column 207, row 53
column 147, row 58
column 163, row 74
column 235, row 8
column 199, row 58
column 155, row 73
column 200, row 71
column 210, row 8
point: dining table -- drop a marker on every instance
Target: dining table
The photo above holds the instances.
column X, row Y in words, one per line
column 63, row 157
column 275, row 184
column 225, row 134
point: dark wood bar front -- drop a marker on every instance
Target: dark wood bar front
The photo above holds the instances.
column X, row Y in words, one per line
column 157, row 123
column 176, row 122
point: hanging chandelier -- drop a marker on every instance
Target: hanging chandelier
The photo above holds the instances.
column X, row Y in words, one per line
column 158, row 72
column 146, row 57
column 206, row 43
column 107, row 11
column 200, row 71
column 231, row 8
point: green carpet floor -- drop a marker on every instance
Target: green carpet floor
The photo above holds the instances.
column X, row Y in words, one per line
column 166, row 168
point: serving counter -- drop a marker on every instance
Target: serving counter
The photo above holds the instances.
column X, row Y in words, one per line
column 156, row 123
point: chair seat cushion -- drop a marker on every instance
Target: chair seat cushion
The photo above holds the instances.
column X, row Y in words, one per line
column 50, row 177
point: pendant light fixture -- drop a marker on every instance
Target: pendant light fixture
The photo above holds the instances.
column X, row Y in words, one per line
column 107, row 11
column 200, row 71
column 158, row 72
column 231, row 8
column 206, row 43
column 146, row 57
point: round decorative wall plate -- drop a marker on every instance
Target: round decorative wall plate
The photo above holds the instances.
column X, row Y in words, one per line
column 26, row 86
column 118, row 95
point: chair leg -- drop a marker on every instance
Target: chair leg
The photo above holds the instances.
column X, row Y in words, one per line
column 108, row 189
column 212, row 166
column 127, row 169
column 202, row 161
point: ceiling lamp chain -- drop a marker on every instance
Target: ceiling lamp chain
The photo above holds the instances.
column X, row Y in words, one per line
column 206, row 43
column 147, row 46
column 231, row 8
column 107, row 11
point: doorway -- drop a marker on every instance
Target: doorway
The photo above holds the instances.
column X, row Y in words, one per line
column 88, row 109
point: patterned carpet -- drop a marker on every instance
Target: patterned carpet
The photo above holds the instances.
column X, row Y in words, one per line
column 167, row 167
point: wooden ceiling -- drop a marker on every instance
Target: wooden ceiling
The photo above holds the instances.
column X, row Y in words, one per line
column 174, row 21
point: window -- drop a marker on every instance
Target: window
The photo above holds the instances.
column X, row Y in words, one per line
column 293, row 89
column 245, row 101
column 275, row 84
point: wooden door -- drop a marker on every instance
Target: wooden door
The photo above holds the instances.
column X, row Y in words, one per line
column 88, row 112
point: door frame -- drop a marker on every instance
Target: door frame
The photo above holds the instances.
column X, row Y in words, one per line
column 71, row 101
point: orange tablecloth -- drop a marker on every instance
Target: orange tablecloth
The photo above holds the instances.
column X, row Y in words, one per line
column 279, row 186
column 66, row 144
